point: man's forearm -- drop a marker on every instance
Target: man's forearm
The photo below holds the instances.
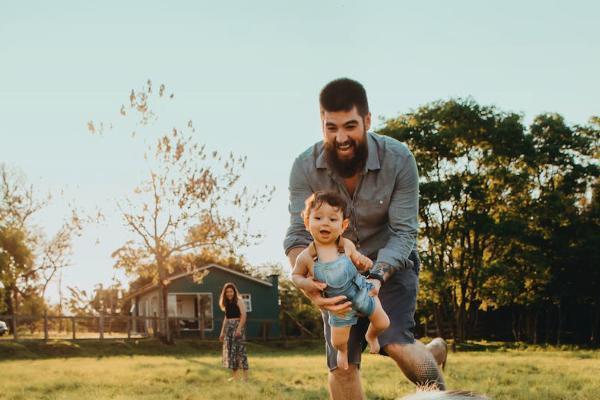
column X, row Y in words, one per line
column 383, row 271
column 301, row 282
column 293, row 255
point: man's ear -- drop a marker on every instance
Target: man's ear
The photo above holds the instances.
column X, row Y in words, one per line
column 345, row 224
column 367, row 121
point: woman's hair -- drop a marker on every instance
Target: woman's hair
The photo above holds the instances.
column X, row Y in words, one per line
column 316, row 199
column 223, row 299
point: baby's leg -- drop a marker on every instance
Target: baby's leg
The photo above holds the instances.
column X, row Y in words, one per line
column 379, row 323
column 339, row 340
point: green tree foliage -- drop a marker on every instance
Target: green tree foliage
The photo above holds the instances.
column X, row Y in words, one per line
column 500, row 208
column 29, row 260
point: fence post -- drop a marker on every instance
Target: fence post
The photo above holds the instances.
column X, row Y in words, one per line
column 128, row 328
column 73, row 325
column 45, row 324
column 13, row 322
column 101, row 325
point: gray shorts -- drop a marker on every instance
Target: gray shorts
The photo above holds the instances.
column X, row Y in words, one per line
column 399, row 300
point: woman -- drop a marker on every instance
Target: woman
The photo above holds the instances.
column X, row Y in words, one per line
column 232, row 331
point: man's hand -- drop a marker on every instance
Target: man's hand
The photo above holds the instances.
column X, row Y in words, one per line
column 376, row 286
column 338, row 305
column 311, row 285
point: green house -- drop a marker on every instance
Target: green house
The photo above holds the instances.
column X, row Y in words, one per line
column 193, row 303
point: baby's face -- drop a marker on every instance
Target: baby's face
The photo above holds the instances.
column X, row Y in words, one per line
column 326, row 223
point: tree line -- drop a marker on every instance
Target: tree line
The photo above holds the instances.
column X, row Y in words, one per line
column 509, row 217
column 509, row 221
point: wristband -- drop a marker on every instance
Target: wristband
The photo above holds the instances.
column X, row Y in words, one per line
column 375, row 276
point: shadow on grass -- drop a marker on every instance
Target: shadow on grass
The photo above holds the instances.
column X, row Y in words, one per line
column 40, row 349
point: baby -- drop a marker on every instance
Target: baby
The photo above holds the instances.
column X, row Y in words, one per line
column 324, row 218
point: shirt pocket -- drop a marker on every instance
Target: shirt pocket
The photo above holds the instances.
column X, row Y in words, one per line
column 373, row 212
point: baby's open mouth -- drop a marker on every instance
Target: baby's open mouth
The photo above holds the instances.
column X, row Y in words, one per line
column 324, row 232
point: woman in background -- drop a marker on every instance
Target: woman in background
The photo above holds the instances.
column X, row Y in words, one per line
column 232, row 331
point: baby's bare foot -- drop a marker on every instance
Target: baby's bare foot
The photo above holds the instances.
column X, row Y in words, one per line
column 373, row 344
column 342, row 360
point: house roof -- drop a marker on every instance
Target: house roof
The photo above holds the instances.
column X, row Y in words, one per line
column 153, row 286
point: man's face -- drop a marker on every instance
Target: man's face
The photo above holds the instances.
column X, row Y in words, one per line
column 344, row 136
column 326, row 224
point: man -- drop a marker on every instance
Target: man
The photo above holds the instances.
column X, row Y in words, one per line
column 378, row 177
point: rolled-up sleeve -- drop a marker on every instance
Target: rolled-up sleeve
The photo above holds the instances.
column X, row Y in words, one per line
column 403, row 215
column 299, row 188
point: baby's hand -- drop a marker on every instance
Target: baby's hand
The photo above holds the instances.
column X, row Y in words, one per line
column 376, row 286
column 361, row 262
column 314, row 285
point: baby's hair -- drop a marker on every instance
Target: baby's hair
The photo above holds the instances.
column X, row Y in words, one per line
column 316, row 199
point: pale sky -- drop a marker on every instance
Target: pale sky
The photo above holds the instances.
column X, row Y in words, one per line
column 249, row 73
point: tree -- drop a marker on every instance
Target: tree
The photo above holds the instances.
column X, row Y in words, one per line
column 190, row 199
column 468, row 158
column 501, row 211
column 28, row 259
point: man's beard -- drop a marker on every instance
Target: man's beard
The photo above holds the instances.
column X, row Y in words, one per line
column 349, row 167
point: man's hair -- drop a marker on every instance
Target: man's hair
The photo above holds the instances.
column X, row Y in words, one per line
column 316, row 199
column 342, row 95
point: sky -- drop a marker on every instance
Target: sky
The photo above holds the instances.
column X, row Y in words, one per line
column 248, row 74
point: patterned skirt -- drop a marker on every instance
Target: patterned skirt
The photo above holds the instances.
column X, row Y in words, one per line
column 234, row 348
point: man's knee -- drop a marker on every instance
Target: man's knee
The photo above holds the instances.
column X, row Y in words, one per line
column 417, row 363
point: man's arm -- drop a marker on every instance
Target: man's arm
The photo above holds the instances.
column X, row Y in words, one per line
column 299, row 190
column 403, row 223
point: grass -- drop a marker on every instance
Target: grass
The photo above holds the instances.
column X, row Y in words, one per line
column 293, row 370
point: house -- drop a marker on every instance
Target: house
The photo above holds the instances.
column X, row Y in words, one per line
column 193, row 305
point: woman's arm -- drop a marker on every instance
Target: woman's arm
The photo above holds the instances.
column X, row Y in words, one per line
column 242, row 307
column 222, row 335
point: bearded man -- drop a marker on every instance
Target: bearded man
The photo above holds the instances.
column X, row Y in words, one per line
column 378, row 178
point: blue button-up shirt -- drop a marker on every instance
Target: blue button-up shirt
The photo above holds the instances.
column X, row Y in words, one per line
column 383, row 210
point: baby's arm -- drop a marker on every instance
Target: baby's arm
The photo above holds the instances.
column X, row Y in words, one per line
column 362, row 263
column 302, row 270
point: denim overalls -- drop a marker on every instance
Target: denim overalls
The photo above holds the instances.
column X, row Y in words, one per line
column 342, row 278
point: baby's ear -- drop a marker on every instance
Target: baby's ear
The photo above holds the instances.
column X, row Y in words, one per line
column 345, row 223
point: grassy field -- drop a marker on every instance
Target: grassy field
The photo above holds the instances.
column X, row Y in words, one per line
column 191, row 370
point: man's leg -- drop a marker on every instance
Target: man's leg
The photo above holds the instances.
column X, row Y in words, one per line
column 399, row 299
column 417, row 363
column 345, row 384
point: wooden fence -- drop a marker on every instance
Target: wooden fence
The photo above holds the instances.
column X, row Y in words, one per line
column 107, row 327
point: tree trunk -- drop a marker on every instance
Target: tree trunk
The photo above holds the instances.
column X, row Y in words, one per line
column 535, row 325
column 595, row 320
column 560, row 322
column 163, row 304
column 514, row 324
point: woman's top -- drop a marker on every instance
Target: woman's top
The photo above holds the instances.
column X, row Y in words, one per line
column 232, row 310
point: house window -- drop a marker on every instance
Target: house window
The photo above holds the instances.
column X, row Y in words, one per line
column 247, row 301
column 205, row 310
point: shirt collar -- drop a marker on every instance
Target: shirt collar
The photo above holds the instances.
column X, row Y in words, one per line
column 372, row 156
